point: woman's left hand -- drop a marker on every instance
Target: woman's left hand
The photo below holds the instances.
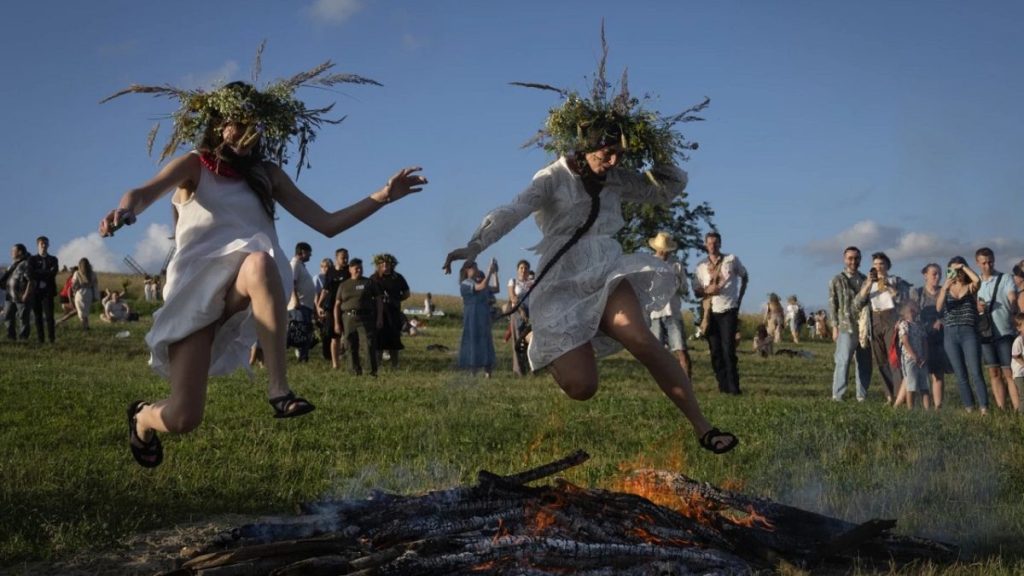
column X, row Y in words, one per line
column 403, row 183
column 465, row 253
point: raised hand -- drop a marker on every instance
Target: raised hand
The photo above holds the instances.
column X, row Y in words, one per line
column 401, row 184
column 115, row 220
column 465, row 253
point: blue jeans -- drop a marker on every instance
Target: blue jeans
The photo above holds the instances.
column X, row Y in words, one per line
column 848, row 347
column 964, row 353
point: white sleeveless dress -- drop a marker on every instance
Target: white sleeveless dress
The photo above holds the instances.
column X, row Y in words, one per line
column 566, row 307
column 217, row 228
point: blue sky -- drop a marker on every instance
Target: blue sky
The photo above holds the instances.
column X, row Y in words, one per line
column 895, row 126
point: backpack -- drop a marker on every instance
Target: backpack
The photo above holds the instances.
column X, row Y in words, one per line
column 894, row 351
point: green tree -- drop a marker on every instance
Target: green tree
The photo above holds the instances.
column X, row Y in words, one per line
column 686, row 223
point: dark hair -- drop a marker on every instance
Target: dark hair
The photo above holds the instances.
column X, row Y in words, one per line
column 521, row 262
column 21, row 250
column 355, row 262
column 713, row 234
column 881, row 256
column 957, row 260
column 592, row 184
column 251, row 167
column 1018, row 271
column 985, row 251
column 340, row 250
column 42, row 239
column 930, row 265
column 852, row 249
column 303, row 246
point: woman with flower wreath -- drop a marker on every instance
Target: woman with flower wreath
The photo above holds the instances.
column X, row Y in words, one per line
column 589, row 299
column 226, row 283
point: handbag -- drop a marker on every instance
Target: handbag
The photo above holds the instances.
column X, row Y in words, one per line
column 986, row 330
column 301, row 334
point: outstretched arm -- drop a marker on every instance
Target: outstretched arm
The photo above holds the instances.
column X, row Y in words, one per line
column 330, row 224
column 183, row 171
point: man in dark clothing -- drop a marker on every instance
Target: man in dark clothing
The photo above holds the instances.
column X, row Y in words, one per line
column 332, row 344
column 43, row 269
column 359, row 309
column 18, row 283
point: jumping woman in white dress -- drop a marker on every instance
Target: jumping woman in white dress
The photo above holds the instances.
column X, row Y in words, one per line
column 226, row 283
column 589, row 299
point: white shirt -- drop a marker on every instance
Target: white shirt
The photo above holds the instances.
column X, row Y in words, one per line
column 675, row 303
column 732, row 273
column 1018, row 350
column 305, row 292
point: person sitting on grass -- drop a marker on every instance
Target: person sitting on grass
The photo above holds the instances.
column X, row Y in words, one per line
column 225, row 285
column 115, row 309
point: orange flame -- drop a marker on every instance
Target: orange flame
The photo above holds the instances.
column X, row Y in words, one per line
column 753, row 520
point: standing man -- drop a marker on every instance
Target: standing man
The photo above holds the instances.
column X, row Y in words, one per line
column 723, row 279
column 336, row 344
column 18, row 283
column 668, row 322
column 43, row 268
column 300, row 306
column 997, row 296
column 845, row 314
column 362, row 309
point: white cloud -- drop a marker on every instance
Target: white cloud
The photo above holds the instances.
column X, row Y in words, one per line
column 149, row 253
column 334, row 11
column 908, row 245
column 152, row 250
column 92, row 247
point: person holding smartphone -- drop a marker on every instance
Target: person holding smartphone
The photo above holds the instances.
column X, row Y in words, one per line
column 883, row 292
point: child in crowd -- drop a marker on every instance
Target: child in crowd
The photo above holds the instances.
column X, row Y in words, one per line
column 1017, row 358
column 913, row 357
column 763, row 341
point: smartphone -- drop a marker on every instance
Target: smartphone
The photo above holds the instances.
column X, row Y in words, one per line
column 950, row 273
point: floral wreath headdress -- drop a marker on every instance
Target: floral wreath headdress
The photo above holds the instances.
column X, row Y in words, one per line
column 385, row 257
column 273, row 114
column 584, row 123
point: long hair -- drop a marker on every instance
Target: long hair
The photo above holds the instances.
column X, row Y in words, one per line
column 251, row 167
column 593, row 184
column 84, row 271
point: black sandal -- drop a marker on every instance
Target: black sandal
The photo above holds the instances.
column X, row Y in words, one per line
column 148, row 453
column 290, row 405
column 708, row 441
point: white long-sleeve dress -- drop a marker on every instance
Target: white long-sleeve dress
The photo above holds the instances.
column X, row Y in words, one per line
column 221, row 224
column 567, row 305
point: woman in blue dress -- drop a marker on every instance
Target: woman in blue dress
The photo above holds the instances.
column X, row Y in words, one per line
column 476, row 352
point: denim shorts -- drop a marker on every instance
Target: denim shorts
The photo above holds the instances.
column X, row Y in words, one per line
column 670, row 328
column 998, row 352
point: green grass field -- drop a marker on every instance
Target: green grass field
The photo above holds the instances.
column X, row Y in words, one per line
column 69, row 486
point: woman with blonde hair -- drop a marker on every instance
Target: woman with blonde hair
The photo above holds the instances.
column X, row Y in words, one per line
column 85, row 288
column 774, row 317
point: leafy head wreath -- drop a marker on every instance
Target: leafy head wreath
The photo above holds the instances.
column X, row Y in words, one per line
column 273, row 117
column 583, row 124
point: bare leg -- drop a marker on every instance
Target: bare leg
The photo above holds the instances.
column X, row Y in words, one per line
column 576, row 372
column 684, row 363
column 1011, row 387
column 937, row 384
column 995, row 376
column 257, row 283
column 623, row 320
column 335, row 344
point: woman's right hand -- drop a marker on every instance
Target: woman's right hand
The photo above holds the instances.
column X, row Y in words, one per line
column 465, row 253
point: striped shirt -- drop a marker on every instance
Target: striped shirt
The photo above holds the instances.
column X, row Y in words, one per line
column 961, row 311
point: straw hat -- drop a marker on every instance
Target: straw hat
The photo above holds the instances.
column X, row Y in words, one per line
column 662, row 242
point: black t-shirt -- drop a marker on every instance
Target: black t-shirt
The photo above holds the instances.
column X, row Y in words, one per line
column 43, row 270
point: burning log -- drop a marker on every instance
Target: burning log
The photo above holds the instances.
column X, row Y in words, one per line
column 663, row 523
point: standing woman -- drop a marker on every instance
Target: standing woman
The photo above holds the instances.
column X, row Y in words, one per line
column 476, row 351
column 225, row 283
column 1018, row 281
column 85, row 289
column 519, row 321
column 931, row 320
column 774, row 317
column 957, row 302
column 793, row 317
column 589, row 299
column 393, row 289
